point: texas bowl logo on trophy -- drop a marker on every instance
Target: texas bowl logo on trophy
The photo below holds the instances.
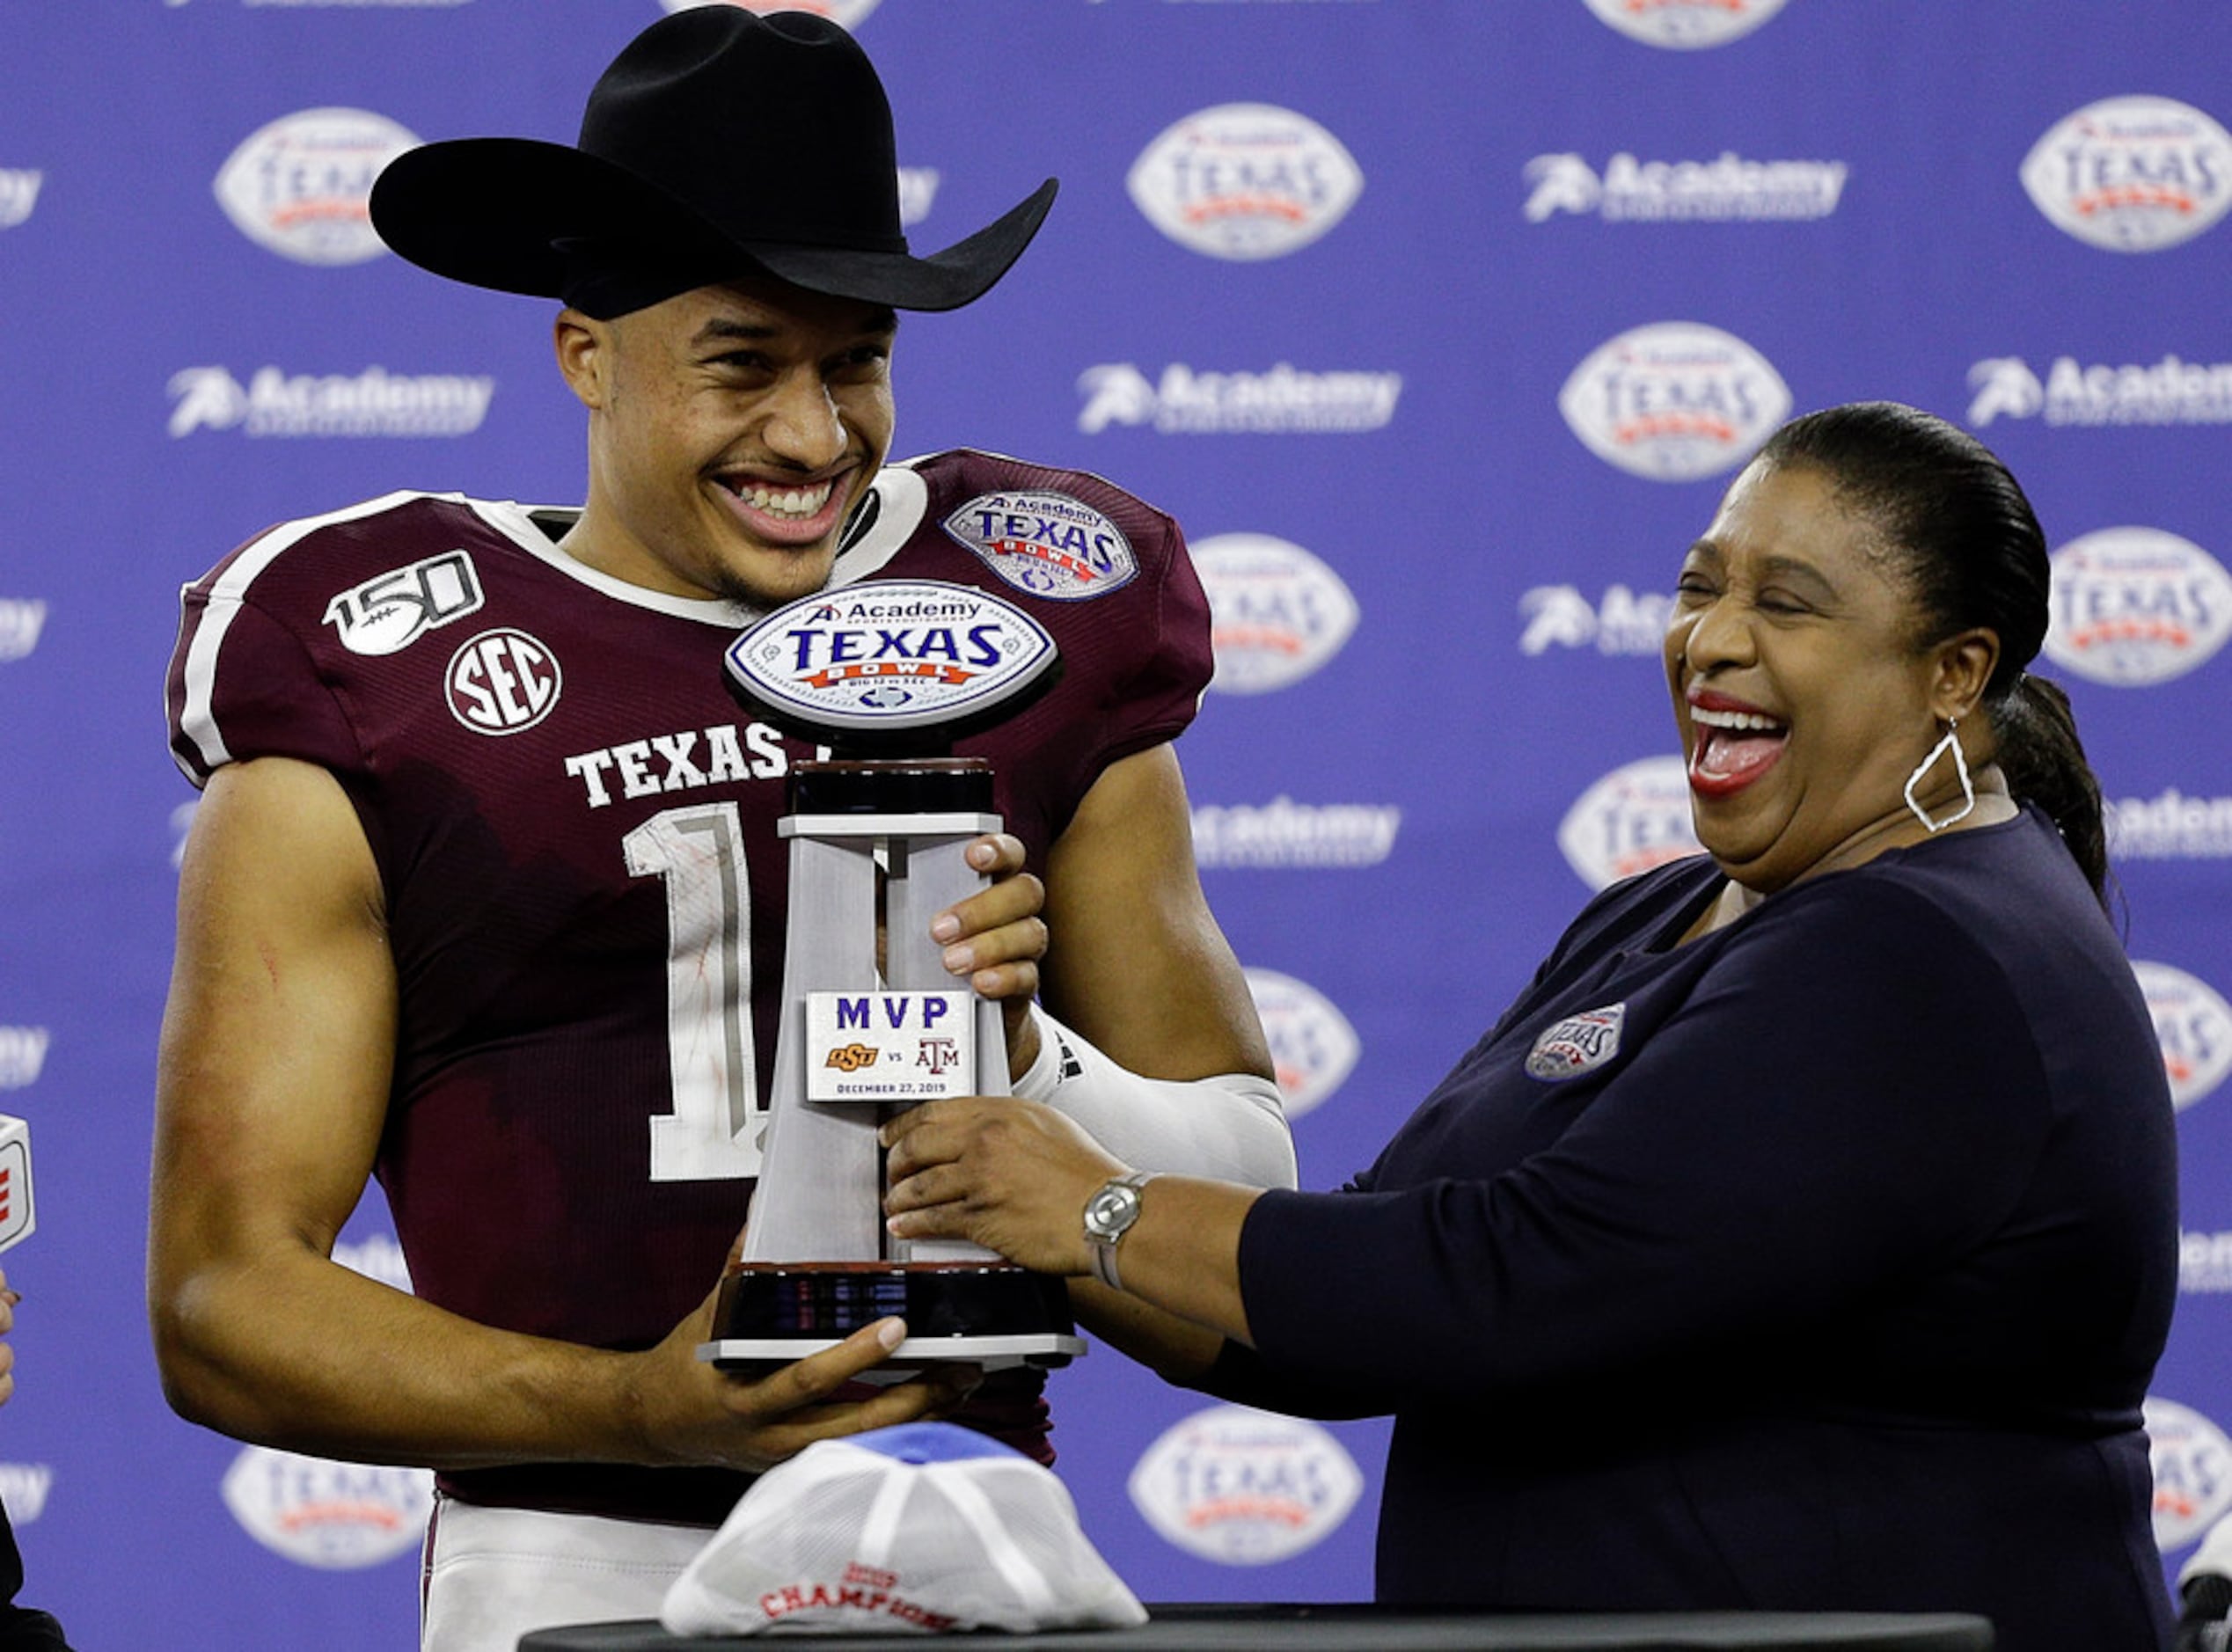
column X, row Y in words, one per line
column 886, row 675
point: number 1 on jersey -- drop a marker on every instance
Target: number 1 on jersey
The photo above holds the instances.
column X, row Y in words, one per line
column 714, row 1132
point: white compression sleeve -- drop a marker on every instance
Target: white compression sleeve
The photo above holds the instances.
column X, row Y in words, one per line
column 1231, row 1127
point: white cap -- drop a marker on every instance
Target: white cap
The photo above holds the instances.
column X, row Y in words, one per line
column 922, row 1528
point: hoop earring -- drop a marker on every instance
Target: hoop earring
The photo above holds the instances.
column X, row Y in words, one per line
column 1952, row 744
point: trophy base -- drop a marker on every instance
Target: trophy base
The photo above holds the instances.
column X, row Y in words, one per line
column 987, row 1315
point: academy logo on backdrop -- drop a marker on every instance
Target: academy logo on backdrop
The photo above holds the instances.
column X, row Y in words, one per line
column 1282, row 401
column 23, row 1054
column 847, row 12
column 1286, row 833
column 2170, row 391
column 1559, row 617
column 1050, row 544
column 21, row 620
column 337, row 1516
column 1313, row 1046
column 18, row 195
column 1245, row 180
column 501, row 681
column 299, row 185
column 2169, row 826
column 1276, row 613
column 2194, row 1025
column 1674, row 401
column 2131, row 174
column 1728, row 189
column 2136, row 606
column 2192, row 1464
column 390, row 611
column 1244, row 1487
column 373, row 403
column 1685, row 24
column 1633, row 819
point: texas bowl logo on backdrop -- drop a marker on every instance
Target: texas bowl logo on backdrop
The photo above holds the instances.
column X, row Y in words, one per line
column 21, row 620
column 1276, row 612
column 299, row 185
column 2194, row 1024
column 1244, row 1487
column 1633, row 819
column 1245, row 180
column 18, row 193
column 2135, row 606
column 1313, row 1046
column 23, row 1056
column 1685, row 24
column 338, row 1517
column 1674, row 401
column 847, row 12
column 2192, row 1464
column 2131, row 174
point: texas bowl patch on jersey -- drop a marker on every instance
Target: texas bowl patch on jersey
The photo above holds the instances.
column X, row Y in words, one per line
column 1050, row 544
column 1577, row 1044
column 889, row 1046
column 891, row 657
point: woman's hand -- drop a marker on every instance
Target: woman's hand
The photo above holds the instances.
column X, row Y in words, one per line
column 1011, row 1175
column 994, row 939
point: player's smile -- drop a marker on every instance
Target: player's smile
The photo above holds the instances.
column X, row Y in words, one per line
column 786, row 511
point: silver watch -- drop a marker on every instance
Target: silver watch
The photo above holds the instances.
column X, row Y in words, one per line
column 1108, row 1215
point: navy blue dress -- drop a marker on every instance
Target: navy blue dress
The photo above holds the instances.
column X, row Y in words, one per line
column 1820, row 1263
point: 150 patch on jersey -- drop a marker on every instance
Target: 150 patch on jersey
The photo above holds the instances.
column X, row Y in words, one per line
column 391, row 610
column 1577, row 1044
column 1049, row 544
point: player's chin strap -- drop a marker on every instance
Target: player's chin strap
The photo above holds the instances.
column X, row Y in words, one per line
column 1231, row 1127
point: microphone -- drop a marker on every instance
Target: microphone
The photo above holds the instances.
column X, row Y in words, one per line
column 16, row 1214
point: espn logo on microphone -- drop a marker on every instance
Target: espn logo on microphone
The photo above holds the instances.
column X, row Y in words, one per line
column 15, row 1181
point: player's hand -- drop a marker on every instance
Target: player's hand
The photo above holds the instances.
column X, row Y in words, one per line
column 1011, row 1175
column 693, row 1413
column 994, row 939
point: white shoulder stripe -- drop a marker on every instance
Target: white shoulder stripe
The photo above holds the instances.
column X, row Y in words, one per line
column 197, row 717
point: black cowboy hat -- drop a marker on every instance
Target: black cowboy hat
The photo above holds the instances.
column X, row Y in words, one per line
column 720, row 143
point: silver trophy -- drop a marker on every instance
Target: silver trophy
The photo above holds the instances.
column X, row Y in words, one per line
column 886, row 675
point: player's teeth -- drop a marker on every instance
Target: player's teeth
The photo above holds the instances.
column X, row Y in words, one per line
column 788, row 502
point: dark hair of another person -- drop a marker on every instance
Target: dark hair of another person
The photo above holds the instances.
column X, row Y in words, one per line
column 1966, row 541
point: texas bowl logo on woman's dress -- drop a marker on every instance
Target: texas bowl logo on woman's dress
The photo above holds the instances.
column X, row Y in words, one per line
column 2131, row 174
column 2194, row 1024
column 338, row 1517
column 1577, row 1044
column 2136, row 606
column 1245, row 180
column 1276, row 612
column 1633, row 819
column 1674, row 401
column 1244, row 1488
column 1686, row 25
column 2192, row 1464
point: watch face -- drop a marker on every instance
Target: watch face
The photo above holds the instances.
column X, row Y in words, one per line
column 1110, row 1211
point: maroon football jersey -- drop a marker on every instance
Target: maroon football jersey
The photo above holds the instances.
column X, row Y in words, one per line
column 576, row 827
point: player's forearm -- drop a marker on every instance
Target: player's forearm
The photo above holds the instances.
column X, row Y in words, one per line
column 301, row 1354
